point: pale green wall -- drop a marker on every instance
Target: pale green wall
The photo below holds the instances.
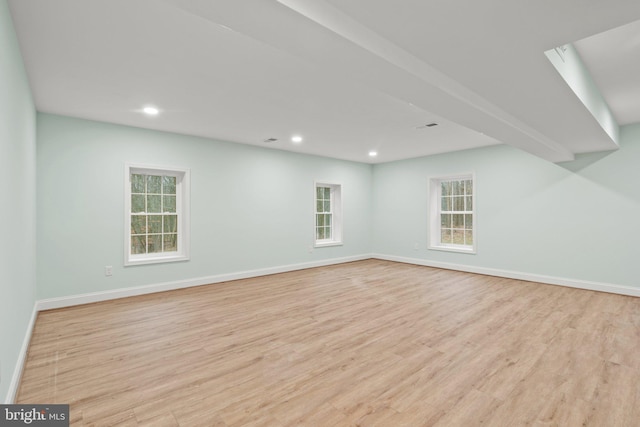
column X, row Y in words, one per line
column 577, row 220
column 251, row 207
column 17, row 195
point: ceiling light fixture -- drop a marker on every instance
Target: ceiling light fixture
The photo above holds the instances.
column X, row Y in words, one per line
column 296, row 138
column 150, row 111
column 373, row 153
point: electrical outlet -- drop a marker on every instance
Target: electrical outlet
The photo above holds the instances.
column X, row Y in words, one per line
column 108, row 271
column 310, row 249
column 416, row 246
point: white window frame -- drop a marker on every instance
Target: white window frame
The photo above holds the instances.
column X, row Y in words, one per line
column 336, row 214
column 435, row 238
column 182, row 209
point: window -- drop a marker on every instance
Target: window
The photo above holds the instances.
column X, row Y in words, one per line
column 328, row 208
column 452, row 213
column 157, row 215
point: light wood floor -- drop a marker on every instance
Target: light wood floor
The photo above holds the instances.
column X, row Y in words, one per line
column 365, row 343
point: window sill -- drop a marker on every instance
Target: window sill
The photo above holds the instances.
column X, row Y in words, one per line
column 458, row 249
column 327, row 243
column 155, row 260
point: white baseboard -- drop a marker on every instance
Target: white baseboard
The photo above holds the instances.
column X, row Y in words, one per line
column 529, row 277
column 22, row 357
column 51, row 303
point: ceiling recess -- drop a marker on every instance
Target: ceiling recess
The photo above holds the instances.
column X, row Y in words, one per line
column 268, row 140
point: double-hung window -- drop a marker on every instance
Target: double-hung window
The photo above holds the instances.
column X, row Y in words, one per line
column 157, row 214
column 452, row 215
column 328, row 213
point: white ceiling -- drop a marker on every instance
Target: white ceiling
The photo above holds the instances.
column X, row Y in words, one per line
column 613, row 60
column 350, row 76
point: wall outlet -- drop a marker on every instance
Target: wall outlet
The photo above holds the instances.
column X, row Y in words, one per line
column 108, row 271
column 310, row 248
column 416, row 246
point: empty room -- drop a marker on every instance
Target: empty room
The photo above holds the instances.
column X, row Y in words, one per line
column 320, row 213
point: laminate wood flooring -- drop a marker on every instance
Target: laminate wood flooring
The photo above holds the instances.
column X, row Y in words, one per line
column 370, row 343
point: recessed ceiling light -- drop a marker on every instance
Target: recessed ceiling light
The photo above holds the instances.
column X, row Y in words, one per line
column 373, row 153
column 150, row 111
column 296, row 138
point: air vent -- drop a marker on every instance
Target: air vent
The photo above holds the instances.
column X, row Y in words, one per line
column 268, row 140
column 428, row 125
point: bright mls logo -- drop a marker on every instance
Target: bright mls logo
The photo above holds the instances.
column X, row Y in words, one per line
column 34, row 415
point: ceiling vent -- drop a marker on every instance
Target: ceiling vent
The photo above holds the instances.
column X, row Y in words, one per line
column 428, row 125
column 269, row 140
